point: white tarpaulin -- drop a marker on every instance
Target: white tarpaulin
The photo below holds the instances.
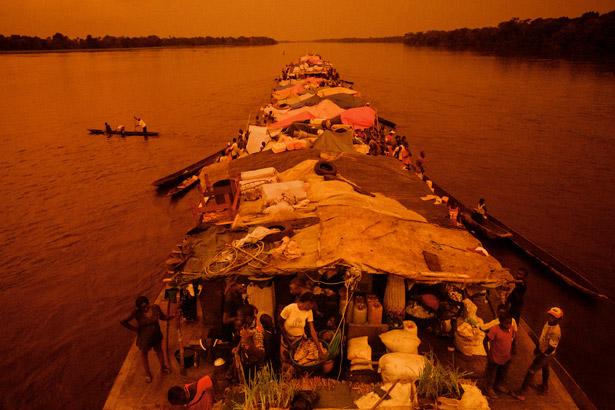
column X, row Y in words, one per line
column 258, row 135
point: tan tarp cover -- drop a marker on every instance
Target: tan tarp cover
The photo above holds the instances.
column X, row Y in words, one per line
column 377, row 234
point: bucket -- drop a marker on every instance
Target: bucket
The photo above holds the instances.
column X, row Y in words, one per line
column 220, row 188
column 188, row 357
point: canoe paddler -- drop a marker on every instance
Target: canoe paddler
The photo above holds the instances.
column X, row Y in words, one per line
column 141, row 124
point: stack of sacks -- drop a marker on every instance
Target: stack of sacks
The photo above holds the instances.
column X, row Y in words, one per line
column 359, row 354
column 468, row 336
column 275, row 193
column 403, row 361
column 251, row 180
column 287, row 144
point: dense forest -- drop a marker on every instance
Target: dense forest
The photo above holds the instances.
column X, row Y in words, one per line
column 397, row 39
column 591, row 35
column 62, row 42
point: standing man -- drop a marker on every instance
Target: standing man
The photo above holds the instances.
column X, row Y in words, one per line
column 141, row 124
column 544, row 352
column 515, row 297
column 233, row 300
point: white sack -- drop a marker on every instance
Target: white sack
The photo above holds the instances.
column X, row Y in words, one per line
column 400, row 366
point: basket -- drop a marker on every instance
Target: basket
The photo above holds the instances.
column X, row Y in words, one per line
column 310, row 367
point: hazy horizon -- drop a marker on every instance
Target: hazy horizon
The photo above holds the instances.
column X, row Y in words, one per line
column 282, row 21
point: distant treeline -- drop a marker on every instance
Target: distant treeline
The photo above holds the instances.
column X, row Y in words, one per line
column 62, row 42
column 591, row 35
column 397, row 39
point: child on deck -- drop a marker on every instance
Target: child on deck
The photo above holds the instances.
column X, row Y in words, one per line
column 498, row 344
column 272, row 352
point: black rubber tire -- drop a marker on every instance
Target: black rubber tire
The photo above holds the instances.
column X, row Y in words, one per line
column 325, row 168
column 286, row 229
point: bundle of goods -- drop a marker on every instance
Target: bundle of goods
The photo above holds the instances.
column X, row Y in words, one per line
column 468, row 336
column 252, row 180
column 359, row 352
column 305, row 354
column 395, row 296
column 416, row 310
column 400, row 366
column 403, row 340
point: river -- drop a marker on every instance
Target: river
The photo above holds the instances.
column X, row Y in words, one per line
column 85, row 232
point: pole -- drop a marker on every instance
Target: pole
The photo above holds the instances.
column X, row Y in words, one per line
column 182, row 365
column 384, row 396
column 166, row 348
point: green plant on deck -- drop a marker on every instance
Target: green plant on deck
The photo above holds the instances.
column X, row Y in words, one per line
column 438, row 380
column 266, row 390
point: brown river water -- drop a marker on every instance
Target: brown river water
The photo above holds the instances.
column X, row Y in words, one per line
column 84, row 231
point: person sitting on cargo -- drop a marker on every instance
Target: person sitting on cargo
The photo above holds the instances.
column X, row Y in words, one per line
column 390, row 142
column 233, row 300
column 374, row 147
column 234, row 149
column 107, row 128
column 291, row 322
column 405, row 155
column 480, row 212
column 198, row 395
column 454, row 214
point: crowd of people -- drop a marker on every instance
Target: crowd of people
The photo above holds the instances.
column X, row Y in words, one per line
column 381, row 142
column 270, row 340
column 308, row 315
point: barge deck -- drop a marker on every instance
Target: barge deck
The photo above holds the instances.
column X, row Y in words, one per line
column 384, row 176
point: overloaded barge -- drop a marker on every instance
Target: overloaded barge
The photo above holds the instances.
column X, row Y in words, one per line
column 297, row 216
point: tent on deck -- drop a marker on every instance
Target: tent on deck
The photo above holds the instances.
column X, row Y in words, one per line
column 335, row 141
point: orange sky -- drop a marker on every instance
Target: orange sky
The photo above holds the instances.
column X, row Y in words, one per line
column 289, row 20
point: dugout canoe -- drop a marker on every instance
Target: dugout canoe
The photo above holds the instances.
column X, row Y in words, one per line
column 125, row 133
column 184, row 185
column 569, row 275
column 177, row 177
